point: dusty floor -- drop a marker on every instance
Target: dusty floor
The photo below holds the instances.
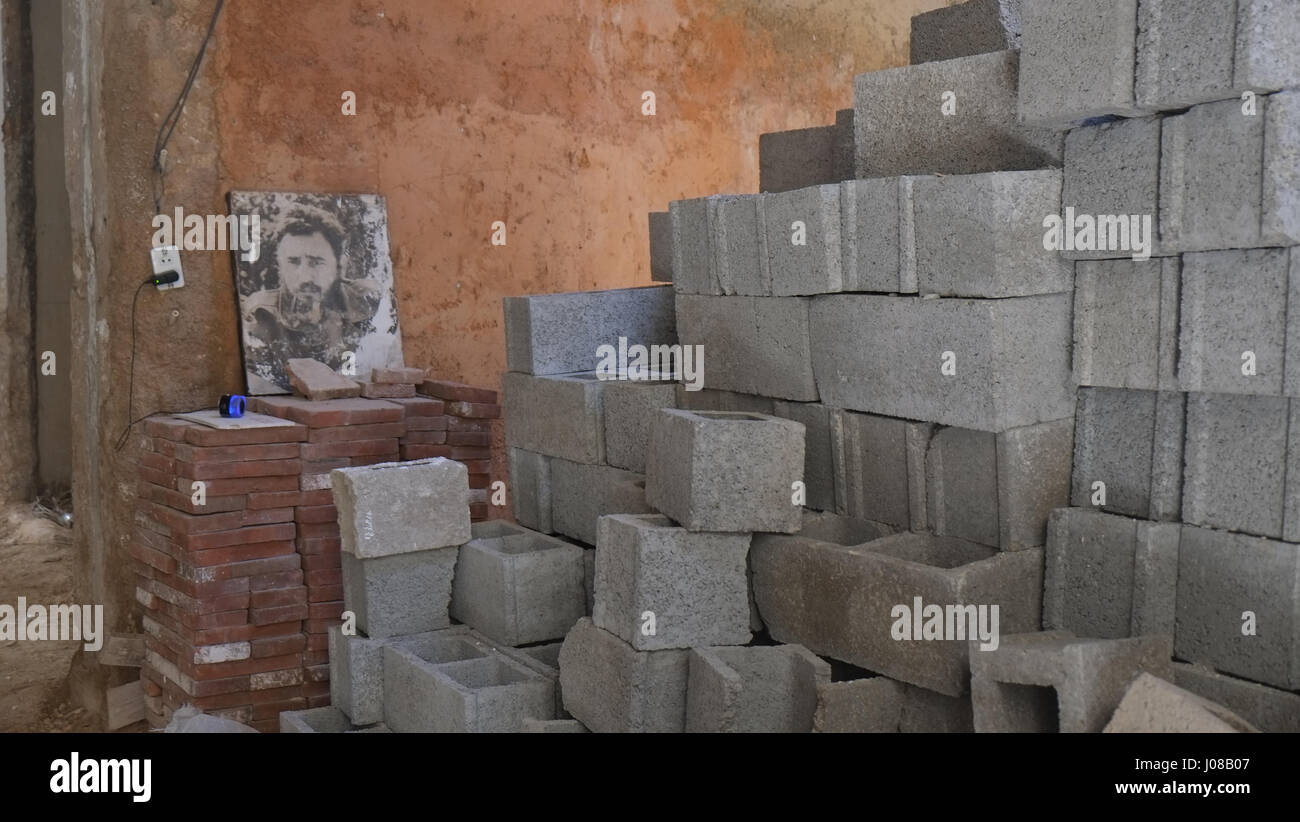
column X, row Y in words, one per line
column 36, row 563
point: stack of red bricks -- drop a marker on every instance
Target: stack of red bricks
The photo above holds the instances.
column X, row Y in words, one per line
column 240, row 585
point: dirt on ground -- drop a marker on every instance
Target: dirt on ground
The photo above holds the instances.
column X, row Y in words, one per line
column 36, row 563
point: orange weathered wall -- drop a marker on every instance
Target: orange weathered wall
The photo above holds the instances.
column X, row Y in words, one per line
column 527, row 112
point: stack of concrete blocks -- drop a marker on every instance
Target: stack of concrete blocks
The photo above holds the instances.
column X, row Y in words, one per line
column 1185, row 525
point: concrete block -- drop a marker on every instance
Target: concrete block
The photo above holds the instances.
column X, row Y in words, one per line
column 841, row 530
column 552, row 726
column 659, row 586
column 766, row 689
column 798, row 158
column 1221, row 577
column 875, row 217
column 693, row 252
column 722, row 471
column 1197, row 52
column 1152, row 705
column 887, row 355
column 872, row 705
column 1232, row 335
column 901, row 128
column 399, row 507
column 1053, row 681
column 1269, row 709
column 961, row 500
column 545, row 660
column 612, row 688
column 1126, row 323
column 739, row 262
column 573, row 425
column 710, row 399
column 560, row 333
column 879, row 465
column 1235, row 463
column 661, row 247
column 582, row 494
column 317, row 381
column 843, row 148
column 1112, row 169
column 530, row 489
column 518, row 588
column 1109, row 577
column 453, row 682
column 1033, row 478
column 400, row 594
column 629, row 407
column 818, row 461
column 802, row 240
column 841, row 600
column 1215, row 193
column 589, row 577
column 973, row 27
column 325, row 720
column 981, row 235
column 1132, row 442
column 929, row 712
column 356, row 676
column 753, row 345
column 1077, row 60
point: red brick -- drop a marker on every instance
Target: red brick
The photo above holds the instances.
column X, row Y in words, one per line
column 353, row 448
column 276, row 629
column 317, row 562
column 228, row 453
column 348, row 433
column 178, row 522
column 317, row 693
column 480, row 480
column 465, row 454
column 424, row 438
column 439, row 423
column 475, row 438
column 149, row 687
column 156, row 559
column 316, row 673
column 207, row 437
column 218, row 636
column 387, row 391
column 420, row 406
column 238, row 699
column 315, row 513
column 317, row 644
column 479, row 510
column 319, row 545
column 475, row 410
column 320, row 626
column 421, row 452
column 283, row 613
column 238, row 470
column 324, row 593
column 316, row 530
column 239, row 553
column 222, row 670
column 270, row 582
column 478, row 466
column 401, row 376
column 236, row 537
column 325, row 610
column 239, row 485
column 277, row 679
column 217, row 620
column 247, row 568
column 394, row 456
column 275, row 646
column 324, row 466
column 275, row 499
column 326, row 576
column 457, row 392
column 217, row 687
column 157, row 462
column 327, row 413
column 316, row 657
column 462, row 424
column 168, row 428
column 183, row 501
column 267, row 716
column 277, row 597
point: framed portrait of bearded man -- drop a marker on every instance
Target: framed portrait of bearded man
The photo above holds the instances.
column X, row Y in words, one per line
column 316, row 283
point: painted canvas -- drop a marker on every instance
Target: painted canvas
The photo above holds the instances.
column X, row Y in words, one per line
column 317, row 284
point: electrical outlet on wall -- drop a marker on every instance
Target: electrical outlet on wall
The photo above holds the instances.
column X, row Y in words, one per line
column 167, row 260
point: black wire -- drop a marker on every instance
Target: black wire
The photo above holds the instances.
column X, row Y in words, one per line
column 130, row 394
column 173, row 117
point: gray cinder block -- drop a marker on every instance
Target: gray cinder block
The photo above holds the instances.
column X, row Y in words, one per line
column 693, row 252
column 877, row 235
column 545, row 660
column 843, row 148
column 1215, row 193
column 552, row 726
column 767, row 689
column 610, row 687
column 1054, row 681
column 1126, row 323
column 973, row 27
column 981, row 235
column 710, row 399
column 802, row 240
column 740, row 262
column 798, row 158
column 1233, row 325
column 1033, row 478
column 325, row 720
column 960, row 498
column 661, row 247
column 518, row 588
column 1109, row 577
column 582, row 494
column 1235, row 463
column 1132, row 442
column 752, row 345
column 929, row 712
column 356, row 676
column 659, row 586
column 1221, row 577
column 399, row 507
column 629, row 408
column 1269, row 709
column 530, row 488
column 401, row 594
column 1077, row 60
column 723, row 471
column 879, row 467
column 872, row 705
column 886, row 355
column 901, row 127
column 1152, row 705
column 1196, row 51
column 573, row 425
column 1113, row 170
column 841, row 600
column 560, row 333
column 818, row 461
column 450, row 682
